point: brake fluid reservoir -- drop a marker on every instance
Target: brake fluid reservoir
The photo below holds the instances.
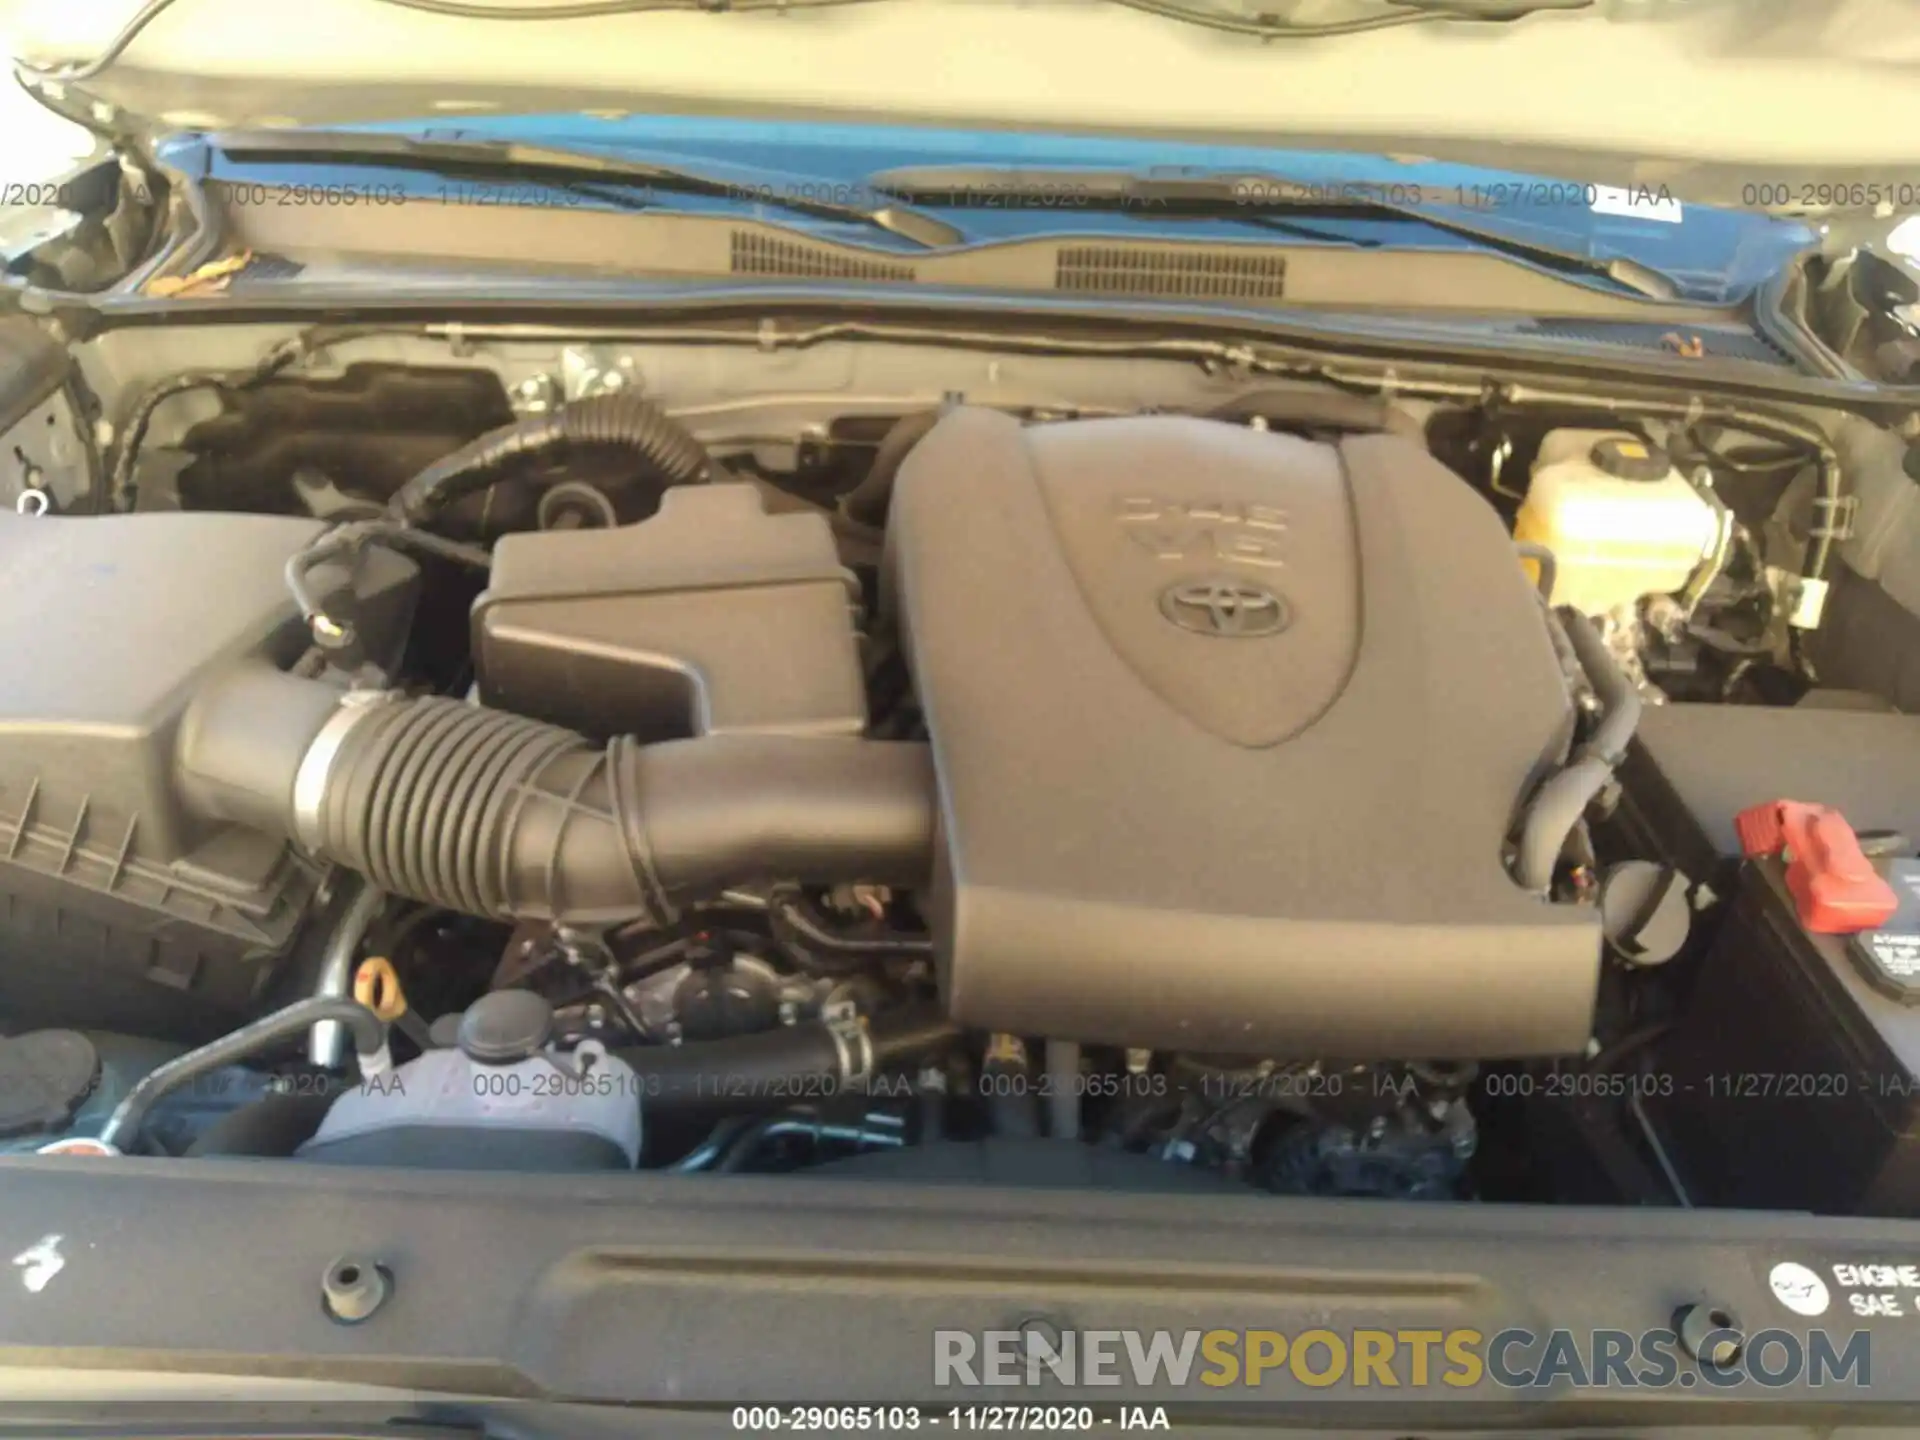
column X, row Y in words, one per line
column 1622, row 522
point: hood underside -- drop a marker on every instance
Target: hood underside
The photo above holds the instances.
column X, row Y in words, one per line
column 1706, row 98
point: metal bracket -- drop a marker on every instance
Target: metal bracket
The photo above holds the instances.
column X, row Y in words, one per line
column 1837, row 521
column 595, row 370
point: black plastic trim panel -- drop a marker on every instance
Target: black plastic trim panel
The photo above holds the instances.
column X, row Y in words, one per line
column 721, row 1289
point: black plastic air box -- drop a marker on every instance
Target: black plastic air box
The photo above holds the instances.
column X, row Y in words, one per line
column 121, row 908
column 712, row 617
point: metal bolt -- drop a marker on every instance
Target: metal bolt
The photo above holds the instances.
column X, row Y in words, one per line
column 353, row 1288
column 535, row 394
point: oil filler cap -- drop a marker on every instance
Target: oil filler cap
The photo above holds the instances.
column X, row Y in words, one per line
column 1644, row 912
column 505, row 1027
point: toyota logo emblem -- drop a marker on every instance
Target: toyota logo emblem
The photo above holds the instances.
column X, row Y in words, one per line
column 1227, row 609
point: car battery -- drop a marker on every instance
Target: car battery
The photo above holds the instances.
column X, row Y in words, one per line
column 1793, row 1081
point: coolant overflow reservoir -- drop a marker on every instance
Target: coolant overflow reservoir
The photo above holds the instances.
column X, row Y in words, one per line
column 1620, row 519
column 502, row 1099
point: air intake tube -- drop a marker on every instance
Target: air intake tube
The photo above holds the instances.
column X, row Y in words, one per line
column 494, row 815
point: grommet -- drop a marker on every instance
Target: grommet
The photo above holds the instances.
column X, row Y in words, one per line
column 1710, row 1333
column 353, row 1288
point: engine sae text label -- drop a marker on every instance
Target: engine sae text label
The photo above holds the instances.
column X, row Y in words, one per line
column 1385, row 1360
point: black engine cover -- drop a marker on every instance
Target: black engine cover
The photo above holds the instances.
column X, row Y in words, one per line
column 1231, row 728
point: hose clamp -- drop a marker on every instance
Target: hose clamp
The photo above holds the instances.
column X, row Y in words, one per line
column 310, row 780
column 853, row 1046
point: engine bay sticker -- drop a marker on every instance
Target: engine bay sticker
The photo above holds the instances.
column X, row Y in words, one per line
column 1868, row 1288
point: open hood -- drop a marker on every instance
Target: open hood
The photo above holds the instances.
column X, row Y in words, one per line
column 1802, row 106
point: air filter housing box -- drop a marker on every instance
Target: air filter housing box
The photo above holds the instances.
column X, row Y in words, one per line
column 1231, row 728
column 121, row 906
column 712, row 617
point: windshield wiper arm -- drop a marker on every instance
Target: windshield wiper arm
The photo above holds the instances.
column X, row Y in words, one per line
column 1389, row 14
column 1225, row 194
column 579, row 170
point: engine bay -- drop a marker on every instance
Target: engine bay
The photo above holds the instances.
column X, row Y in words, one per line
column 491, row 750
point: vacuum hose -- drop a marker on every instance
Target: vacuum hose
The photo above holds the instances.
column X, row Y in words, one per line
column 499, row 816
column 666, row 449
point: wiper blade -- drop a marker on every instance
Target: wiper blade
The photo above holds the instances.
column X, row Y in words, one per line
column 580, row 170
column 1381, row 16
column 1223, row 194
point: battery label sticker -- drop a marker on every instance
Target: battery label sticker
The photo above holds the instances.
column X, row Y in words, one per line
column 1897, row 954
column 1890, row 955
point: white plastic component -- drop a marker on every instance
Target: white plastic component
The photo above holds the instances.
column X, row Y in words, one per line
column 445, row 1089
column 1810, row 603
column 1616, row 541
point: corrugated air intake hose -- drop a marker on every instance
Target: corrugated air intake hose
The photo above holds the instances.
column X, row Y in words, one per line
column 668, row 452
column 491, row 814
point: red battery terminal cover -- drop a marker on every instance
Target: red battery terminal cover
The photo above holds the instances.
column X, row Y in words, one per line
column 1834, row 886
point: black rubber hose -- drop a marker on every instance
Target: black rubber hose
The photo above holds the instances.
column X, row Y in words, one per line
column 494, row 815
column 775, row 1069
column 1551, row 815
column 898, row 1037
column 122, row 1129
column 667, row 450
column 1316, row 407
column 274, row 1125
column 867, row 502
column 1558, row 805
column 1619, row 701
column 770, row 1070
column 742, row 1151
